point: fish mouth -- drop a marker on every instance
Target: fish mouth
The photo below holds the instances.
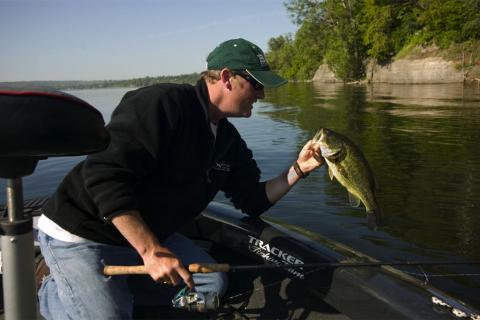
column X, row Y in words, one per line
column 327, row 153
column 333, row 156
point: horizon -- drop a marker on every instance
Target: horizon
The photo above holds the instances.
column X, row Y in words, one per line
column 104, row 80
column 55, row 40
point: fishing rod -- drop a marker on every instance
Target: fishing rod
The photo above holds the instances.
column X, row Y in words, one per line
column 225, row 267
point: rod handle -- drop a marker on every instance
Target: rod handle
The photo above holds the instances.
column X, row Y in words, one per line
column 193, row 268
column 123, row 270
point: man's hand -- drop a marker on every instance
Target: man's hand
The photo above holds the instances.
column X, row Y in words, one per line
column 160, row 263
column 308, row 160
column 164, row 266
column 310, row 157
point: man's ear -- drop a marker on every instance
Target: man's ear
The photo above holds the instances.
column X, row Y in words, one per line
column 226, row 77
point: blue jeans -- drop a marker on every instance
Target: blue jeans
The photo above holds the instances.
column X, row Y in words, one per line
column 77, row 289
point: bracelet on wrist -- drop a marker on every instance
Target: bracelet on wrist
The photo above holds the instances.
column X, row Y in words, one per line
column 299, row 171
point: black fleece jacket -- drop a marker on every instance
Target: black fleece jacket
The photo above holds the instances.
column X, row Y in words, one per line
column 164, row 162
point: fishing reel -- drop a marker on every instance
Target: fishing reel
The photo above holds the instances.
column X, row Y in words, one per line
column 192, row 300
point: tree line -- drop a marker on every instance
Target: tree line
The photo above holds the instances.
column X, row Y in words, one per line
column 190, row 78
column 346, row 33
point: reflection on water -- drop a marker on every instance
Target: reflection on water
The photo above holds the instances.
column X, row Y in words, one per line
column 421, row 141
column 433, row 95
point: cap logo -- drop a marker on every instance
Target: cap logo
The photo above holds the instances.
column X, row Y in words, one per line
column 261, row 59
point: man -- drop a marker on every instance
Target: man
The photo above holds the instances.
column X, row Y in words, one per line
column 160, row 170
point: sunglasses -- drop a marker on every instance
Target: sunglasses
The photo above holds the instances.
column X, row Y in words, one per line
column 256, row 85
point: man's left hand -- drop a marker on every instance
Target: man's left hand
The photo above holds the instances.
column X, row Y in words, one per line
column 310, row 157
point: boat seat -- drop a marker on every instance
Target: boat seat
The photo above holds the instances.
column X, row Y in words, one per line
column 40, row 123
column 35, row 124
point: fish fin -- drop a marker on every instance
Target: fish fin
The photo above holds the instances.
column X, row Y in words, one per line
column 374, row 219
column 354, row 201
column 317, row 135
column 330, row 173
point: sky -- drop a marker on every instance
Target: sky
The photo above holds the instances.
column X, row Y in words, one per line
column 124, row 39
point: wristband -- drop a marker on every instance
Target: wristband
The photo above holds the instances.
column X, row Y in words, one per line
column 299, row 171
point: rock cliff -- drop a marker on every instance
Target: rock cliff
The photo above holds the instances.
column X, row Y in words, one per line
column 422, row 70
column 324, row 74
column 426, row 70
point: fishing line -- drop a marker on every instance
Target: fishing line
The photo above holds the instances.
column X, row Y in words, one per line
column 274, row 283
column 238, row 311
column 438, row 275
column 244, row 304
column 424, row 274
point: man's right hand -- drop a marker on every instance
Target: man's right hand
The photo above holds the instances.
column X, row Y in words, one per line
column 160, row 263
column 164, row 266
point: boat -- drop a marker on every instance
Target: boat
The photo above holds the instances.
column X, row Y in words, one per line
column 324, row 292
column 57, row 124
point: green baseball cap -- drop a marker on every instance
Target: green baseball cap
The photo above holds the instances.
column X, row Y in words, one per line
column 240, row 54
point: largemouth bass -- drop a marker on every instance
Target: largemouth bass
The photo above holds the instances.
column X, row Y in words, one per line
column 348, row 165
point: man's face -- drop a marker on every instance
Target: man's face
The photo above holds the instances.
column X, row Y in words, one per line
column 242, row 96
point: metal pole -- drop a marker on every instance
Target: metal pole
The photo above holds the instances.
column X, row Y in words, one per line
column 19, row 292
column 15, row 199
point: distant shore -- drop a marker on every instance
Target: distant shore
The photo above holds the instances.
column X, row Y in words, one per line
column 98, row 84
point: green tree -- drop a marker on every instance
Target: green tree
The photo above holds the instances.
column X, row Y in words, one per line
column 329, row 32
column 345, row 51
column 298, row 57
column 387, row 26
column 447, row 21
column 310, row 46
column 344, row 33
column 280, row 55
column 376, row 26
column 471, row 27
column 304, row 10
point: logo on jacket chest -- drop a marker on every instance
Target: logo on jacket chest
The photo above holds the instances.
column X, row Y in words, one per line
column 218, row 167
column 221, row 166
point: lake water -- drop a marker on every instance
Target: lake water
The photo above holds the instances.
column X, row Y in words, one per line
column 422, row 142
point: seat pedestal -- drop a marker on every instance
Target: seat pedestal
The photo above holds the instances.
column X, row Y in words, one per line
column 19, row 291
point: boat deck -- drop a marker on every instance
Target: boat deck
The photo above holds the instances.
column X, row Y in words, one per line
column 253, row 294
column 305, row 294
column 256, row 294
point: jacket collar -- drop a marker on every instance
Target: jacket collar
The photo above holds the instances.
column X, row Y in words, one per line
column 204, row 98
column 202, row 95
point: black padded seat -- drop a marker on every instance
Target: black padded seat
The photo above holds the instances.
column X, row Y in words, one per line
column 40, row 123
column 45, row 123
